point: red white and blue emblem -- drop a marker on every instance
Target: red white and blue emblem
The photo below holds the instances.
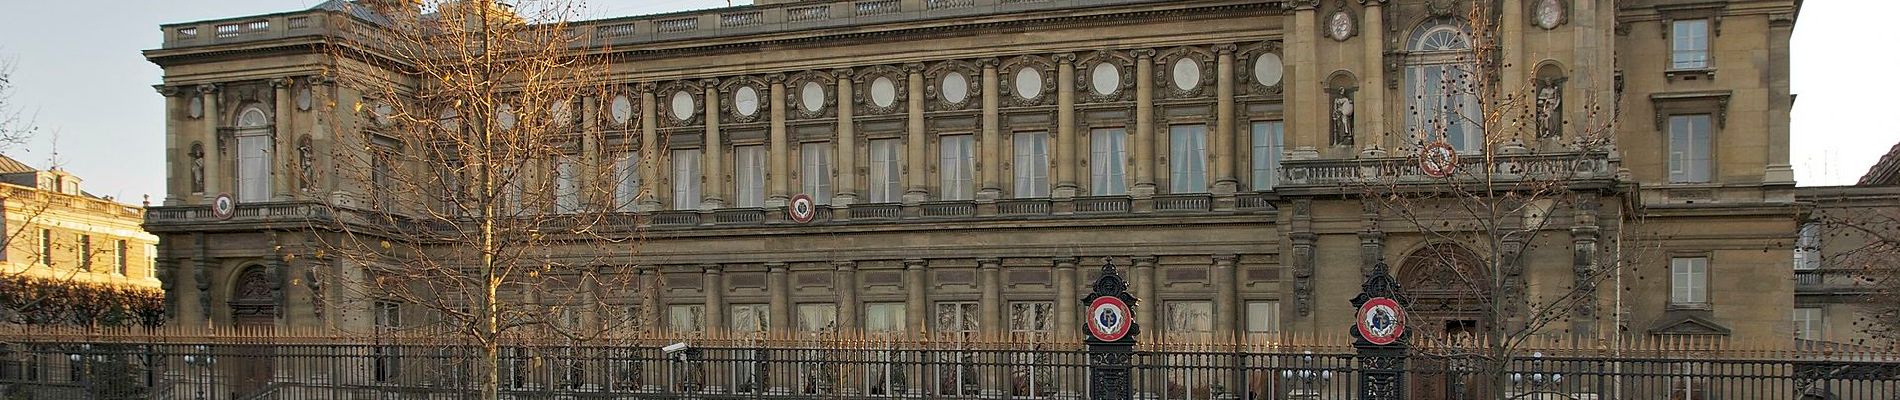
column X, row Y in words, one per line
column 802, row 208
column 1109, row 318
column 223, row 206
column 1381, row 321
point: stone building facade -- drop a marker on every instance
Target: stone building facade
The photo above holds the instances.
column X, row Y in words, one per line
column 976, row 159
column 55, row 232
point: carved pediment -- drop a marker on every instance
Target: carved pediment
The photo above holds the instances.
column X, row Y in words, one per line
column 1688, row 323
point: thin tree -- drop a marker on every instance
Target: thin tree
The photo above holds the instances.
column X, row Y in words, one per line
column 1862, row 241
column 485, row 203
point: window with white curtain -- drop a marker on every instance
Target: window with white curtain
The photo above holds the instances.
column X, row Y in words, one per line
column 686, row 317
column 1689, row 148
column 1263, row 316
column 1187, row 159
column 1689, row 44
column 884, row 317
column 1268, row 139
column 1032, row 164
column 956, row 167
column 567, row 184
column 686, row 179
column 626, row 181
column 254, row 155
column 887, row 165
column 815, row 177
column 748, row 174
column 1689, row 281
column 1439, row 73
column 1108, row 161
column 818, row 317
column 1808, row 323
column 750, row 317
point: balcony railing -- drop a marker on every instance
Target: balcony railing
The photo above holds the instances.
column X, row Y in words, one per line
column 1831, row 281
column 251, row 212
column 1382, row 171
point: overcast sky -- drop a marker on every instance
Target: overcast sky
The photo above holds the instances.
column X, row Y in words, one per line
column 78, row 68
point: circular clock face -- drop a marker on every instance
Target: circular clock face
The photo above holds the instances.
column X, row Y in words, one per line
column 1339, row 27
column 1549, row 13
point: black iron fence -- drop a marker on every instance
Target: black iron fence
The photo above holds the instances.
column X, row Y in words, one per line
column 127, row 367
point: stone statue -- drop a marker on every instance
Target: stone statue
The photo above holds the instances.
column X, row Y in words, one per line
column 1550, row 117
column 1342, row 117
column 197, row 167
column 305, row 179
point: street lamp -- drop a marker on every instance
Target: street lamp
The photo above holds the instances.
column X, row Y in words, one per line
column 82, row 371
column 1308, row 378
column 1537, row 381
column 201, row 359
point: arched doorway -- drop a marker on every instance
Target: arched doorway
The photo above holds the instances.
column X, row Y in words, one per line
column 253, row 308
column 1448, row 285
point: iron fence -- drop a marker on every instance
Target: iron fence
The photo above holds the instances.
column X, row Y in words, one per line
column 290, row 368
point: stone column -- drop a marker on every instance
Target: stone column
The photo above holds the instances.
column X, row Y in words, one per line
column 1780, row 102
column 1373, row 88
column 916, row 306
column 650, row 289
column 214, row 160
column 988, row 163
column 845, row 282
column 1065, row 127
column 1067, row 301
column 1306, row 125
column 847, row 182
column 714, row 286
column 1227, row 309
column 176, row 161
column 653, row 153
column 1144, row 133
column 1149, row 306
column 917, row 190
column 1584, row 233
column 781, row 146
column 779, row 284
column 1225, row 183
column 713, row 161
column 283, row 137
column 991, row 301
column 595, row 174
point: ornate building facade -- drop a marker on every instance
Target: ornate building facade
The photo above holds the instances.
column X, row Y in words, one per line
column 974, row 159
column 57, row 233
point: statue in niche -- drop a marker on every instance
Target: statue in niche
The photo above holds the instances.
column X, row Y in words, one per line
column 306, row 180
column 1550, row 108
column 197, row 167
column 1342, row 111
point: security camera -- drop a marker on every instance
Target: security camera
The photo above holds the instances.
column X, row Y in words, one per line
column 675, row 348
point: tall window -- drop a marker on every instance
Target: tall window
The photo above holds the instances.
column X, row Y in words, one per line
column 626, row 181
column 1190, row 317
column 684, row 318
column 686, row 179
column 1032, row 164
column 957, row 317
column 886, row 171
column 382, row 170
column 1263, row 317
column 510, row 190
column 1031, row 316
column 85, row 253
column 1808, row 323
column 119, row 258
column 1807, row 247
column 254, row 155
column 46, row 247
column 1108, row 161
column 1689, row 148
column 884, row 317
column 1268, row 139
column 1689, row 281
column 748, row 174
column 751, row 317
column 818, row 317
column 388, row 359
column 1689, row 44
column 567, row 184
column 956, row 167
column 1438, row 76
column 1187, row 159
column 815, row 160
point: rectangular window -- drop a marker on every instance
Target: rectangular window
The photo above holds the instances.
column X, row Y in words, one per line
column 1187, row 159
column 1267, row 142
column 1689, row 148
column 46, row 247
column 388, row 359
column 253, row 168
column 957, row 317
column 887, row 165
column 1689, row 46
column 748, row 175
column 381, row 177
column 818, row 317
column 815, row 162
column 1807, row 247
column 1190, row 317
column 686, row 318
column 751, row 318
column 567, row 184
column 1689, row 281
column 956, row 166
column 85, row 253
column 1108, row 161
column 1032, row 164
column 686, row 179
column 119, row 257
column 1263, row 316
column 1808, row 323
column 1031, row 316
column 884, row 317
column 627, row 181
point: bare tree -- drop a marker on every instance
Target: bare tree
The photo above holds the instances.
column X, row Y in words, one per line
column 1861, row 241
column 483, row 198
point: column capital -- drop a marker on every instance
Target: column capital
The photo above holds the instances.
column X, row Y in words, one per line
column 167, row 91
column 318, row 80
column 644, row 87
column 844, row 74
column 776, row 78
column 1225, row 259
column 988, row 62
column 208, row 88
column 1371, row 3
column 714, row 269
column 1143, row 53
column 776, row 267
column 845, row 265
column 914, row 68
column 1225, row 49
column 709, row 84
column 989, row 263
column 1065, row 262
column 1066, row 58
column 916, row 263
column 280, row 83
column 1143, row 261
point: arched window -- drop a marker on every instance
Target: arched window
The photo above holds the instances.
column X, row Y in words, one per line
column 254, row 155
column 1439, row 72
